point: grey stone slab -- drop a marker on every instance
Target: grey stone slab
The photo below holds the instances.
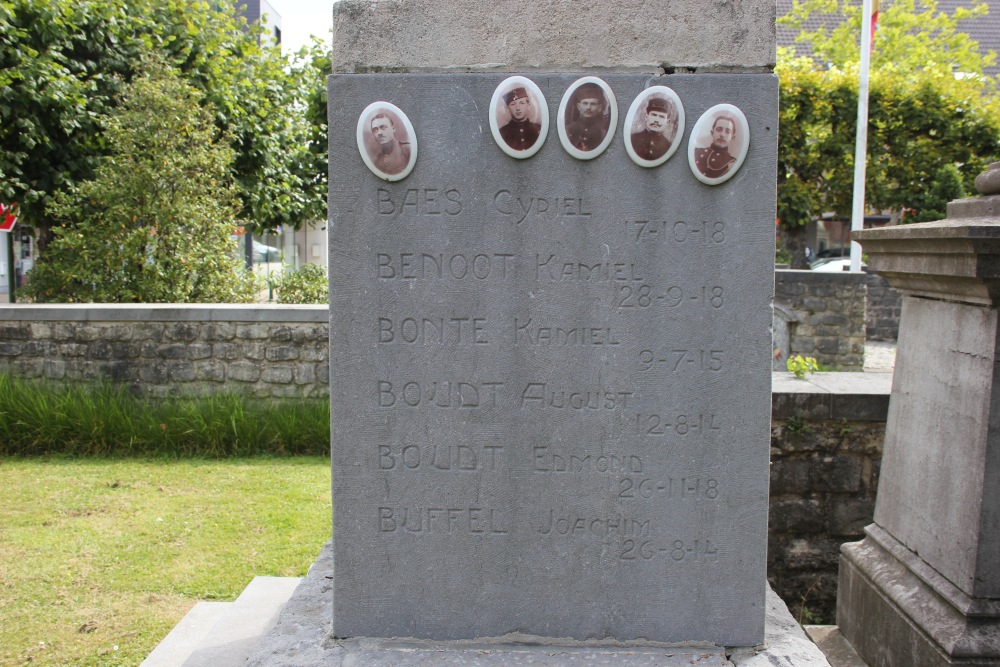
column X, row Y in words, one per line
column 245, row 622
column 786, row 643
column 187, row 635
column 938, row 493
column 835, row 647
column 552, row 35
column 300, row 639
column 897, row 612
column 852, row 396
column 551, row 391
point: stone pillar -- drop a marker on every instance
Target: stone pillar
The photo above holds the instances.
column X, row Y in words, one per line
column 923, row 588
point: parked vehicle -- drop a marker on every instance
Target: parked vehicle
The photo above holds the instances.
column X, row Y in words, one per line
column 834, row 265
column 263, row 254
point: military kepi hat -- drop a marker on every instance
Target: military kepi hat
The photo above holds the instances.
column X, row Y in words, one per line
column 589, row 91
column 657, row 104
column 515, row 94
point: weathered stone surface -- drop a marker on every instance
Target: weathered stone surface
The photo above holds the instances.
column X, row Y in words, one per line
column 301, row 639
column 551, row 35
column 893, row 607
column 526, row 449
column 937, row 494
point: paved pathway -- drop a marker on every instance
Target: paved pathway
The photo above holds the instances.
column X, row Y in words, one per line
column 880, row 357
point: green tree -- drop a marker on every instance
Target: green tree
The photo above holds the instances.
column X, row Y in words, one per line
column 156, row 223
column 62, row 63
column 930, row 107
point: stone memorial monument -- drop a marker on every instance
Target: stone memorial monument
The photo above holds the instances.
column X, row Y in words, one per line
column 923, row 588
column 551, row 275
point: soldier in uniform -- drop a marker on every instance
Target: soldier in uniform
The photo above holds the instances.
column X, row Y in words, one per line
column 520, row 133
column 587, row 123
column 715, row 160
column 392, row 155
column 651, row 143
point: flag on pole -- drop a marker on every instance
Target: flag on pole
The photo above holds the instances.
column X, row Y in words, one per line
column 8, row 217
column 874, row 23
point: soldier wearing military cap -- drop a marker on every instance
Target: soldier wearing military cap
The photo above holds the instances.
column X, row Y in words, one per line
column 392, row 155
column 520, row 133
column 587, row 124
column 716, row 160
column 651, row 143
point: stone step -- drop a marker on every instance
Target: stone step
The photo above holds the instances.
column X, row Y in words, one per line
column 177, row 646
column 223, row 634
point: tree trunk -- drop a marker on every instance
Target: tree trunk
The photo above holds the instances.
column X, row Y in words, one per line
column 793, row 239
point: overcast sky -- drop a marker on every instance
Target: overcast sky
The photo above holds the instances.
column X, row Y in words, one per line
column 301, row 18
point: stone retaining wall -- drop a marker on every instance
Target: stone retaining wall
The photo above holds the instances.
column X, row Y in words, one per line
column 263, row 351
column 824, row 314
column 826, row 430
column 826, row 447
column 882, row 313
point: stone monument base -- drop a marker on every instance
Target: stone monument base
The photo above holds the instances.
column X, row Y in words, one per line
column 301, row 639
column 888, row 597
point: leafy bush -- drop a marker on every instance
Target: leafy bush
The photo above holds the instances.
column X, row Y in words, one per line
column 156, row 223
column 307, row 285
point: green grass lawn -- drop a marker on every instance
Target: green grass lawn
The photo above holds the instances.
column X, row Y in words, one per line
column 99, row 559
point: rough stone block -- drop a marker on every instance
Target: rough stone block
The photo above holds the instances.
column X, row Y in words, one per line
column 314, row 351
column 210, row 371
column 305, row 374
column 281, row 353
column 554, row 35
column 252, row 331
column 255, row 350
column 174, row 352
column 11, row 349
column 219, row 331
column 243, row 371
column 54, row 369
column 182, row 331
column 86, row 333
column 181, row 371
column 282, row 333
column 277, row 374
column 797, row 515
column 848, row 517
column 15, row 331
column 153, row 372
column 227, row 351
column 40, row 330
column 836, row 473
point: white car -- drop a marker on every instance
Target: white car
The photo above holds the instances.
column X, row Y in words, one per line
column 835, row 265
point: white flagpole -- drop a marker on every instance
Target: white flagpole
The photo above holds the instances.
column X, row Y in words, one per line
column 861, row 142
